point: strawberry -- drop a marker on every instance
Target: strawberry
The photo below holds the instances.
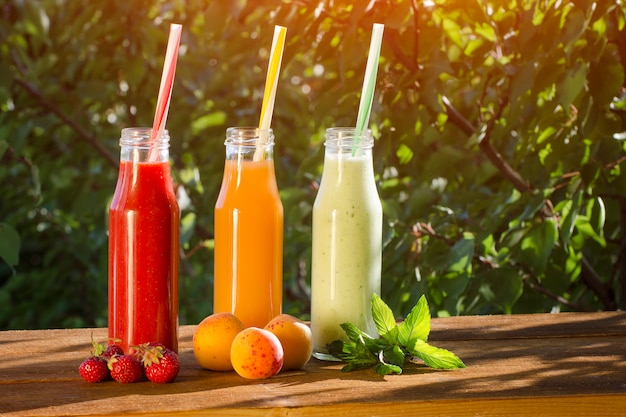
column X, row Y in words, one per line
column 113, row 350
column 125, row 368
column 94, row 369
column 160, row 364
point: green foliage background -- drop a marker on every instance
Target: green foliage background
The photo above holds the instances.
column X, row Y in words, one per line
column 500, row 126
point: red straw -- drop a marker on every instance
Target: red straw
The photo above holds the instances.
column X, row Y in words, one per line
column 167, row 80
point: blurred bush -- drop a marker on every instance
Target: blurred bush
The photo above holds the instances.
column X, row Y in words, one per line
column 500, row 126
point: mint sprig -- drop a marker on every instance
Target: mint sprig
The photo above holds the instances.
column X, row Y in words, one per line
column 396, row 344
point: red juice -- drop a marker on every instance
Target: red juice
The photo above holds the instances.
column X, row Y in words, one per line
column 143, row 256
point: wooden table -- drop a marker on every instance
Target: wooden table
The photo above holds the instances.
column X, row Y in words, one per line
column 570, row 364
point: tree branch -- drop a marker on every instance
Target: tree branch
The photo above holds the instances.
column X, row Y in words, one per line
column 416, row 23
column 591, row 278
column 34, row 92
column 82, row 133
column 543, row 290
column 588, row 275
column 391, row 41
column 622, row 253
column 485, row 145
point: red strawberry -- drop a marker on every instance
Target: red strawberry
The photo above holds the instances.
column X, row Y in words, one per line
column 125, row 369
column 113, row 350
column 161, row 365
column 94, row 369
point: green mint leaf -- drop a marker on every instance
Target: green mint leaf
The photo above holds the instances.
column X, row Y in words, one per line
column 416, row 326
column 354, row 333
column 360, row 348
column 386, row 369
column 435, row 357
column 384, row 319
column 362, row 351
column 335, row 348
column 393, row 355
column 387, row 353
column 357, row 355
column 360, row 337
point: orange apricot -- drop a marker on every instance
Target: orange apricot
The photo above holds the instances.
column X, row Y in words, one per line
column 256, row 353
column 212, row 339
column 295, row 338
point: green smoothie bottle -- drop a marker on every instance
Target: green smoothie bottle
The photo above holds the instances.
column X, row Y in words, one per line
column 347, row 239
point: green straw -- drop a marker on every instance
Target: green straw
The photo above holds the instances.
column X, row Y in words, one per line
column 369, row 81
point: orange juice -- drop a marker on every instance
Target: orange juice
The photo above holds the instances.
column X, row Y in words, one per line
column 248, row 237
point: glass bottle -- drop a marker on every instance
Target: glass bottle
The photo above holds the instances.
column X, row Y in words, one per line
column 347, row 239
column 249, row 230
column 144, row 220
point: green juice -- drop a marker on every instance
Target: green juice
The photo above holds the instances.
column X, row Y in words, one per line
column 347, row 246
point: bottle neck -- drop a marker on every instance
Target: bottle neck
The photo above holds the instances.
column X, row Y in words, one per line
column 249, row 143
column 348, row 142
column 139, row 144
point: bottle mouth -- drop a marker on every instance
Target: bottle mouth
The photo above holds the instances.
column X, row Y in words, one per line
column 249, row 136
column 144, row 138
column 348, row 138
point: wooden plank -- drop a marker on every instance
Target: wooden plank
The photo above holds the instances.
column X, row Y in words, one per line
column 581, row 406
column 515, row 365
column 529, row 325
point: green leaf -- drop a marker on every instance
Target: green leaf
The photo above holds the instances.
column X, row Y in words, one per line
column 591, row 224
column 187, row 226
column 393, row 355
column 584, row 227
column 217, row 118
column 354, row 333
column 605, row 78
column 359, row 337
column 453, row 31
column 502, row 287
column 404, row 154
column 460, row 257
column 572, row 85
column 357, row 351
column 388, row 357
column 384, row 319
column 435, row 357
column 4, row 146
column 386, row 369
column 569, row 212
column 416, row 326
column 596, row 211
column 9, row 244
column 546, row 133
column 336, row 348
column 486, row 31
column 538, row 242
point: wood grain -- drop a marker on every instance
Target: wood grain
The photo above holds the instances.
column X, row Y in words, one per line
column 570, row 364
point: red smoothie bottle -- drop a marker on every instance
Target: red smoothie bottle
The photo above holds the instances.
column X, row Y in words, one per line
column 144, row 220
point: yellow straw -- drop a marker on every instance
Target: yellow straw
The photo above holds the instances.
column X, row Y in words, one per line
column 271, row 83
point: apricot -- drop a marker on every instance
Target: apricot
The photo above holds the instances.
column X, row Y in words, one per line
column 256, row 353
column 212, row 339
column 295, row 338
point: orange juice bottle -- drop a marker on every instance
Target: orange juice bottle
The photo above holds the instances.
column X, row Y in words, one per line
column 249, row 230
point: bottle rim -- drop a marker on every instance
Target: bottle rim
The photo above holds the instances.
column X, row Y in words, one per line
column 248, row 136
column 348, row 137
column 142, row 137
